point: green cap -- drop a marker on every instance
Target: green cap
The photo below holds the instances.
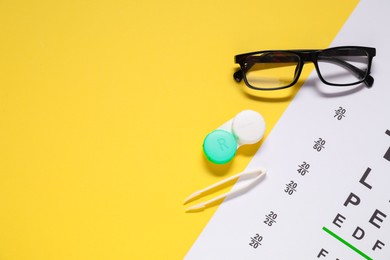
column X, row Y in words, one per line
column 219, row 146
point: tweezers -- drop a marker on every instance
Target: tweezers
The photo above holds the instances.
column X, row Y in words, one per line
column 257, row 173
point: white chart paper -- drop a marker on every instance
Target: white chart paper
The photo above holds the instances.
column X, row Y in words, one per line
column 327, row 191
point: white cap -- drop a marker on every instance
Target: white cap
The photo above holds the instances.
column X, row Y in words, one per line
column 248, row 127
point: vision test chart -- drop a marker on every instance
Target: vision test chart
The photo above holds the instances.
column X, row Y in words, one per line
column 327, row 191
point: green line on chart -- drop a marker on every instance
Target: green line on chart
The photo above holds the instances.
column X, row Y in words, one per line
column 346, row 243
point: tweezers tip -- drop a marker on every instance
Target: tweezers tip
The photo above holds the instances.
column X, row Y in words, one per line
column 195, row 208
column 191, row 197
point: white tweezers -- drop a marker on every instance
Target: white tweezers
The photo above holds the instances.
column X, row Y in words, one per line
column 257, row 173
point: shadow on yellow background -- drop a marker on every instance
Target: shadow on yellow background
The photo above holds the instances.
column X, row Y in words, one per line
column 103, row 109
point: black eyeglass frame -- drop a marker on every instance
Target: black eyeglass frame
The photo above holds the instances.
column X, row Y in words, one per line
column 306, row 56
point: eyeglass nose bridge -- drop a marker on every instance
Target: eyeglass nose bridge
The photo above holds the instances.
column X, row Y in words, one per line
column 309, row 56
column 305, row 57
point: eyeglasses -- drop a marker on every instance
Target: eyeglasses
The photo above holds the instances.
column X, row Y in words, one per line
column 279, row 69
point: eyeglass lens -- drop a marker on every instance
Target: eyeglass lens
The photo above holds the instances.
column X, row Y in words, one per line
column 271, row 69
column 343, row 66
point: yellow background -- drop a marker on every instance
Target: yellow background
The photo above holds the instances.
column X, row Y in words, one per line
column 104, row 106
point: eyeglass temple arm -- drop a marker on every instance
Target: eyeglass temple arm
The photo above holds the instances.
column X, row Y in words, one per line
column 238, row 75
